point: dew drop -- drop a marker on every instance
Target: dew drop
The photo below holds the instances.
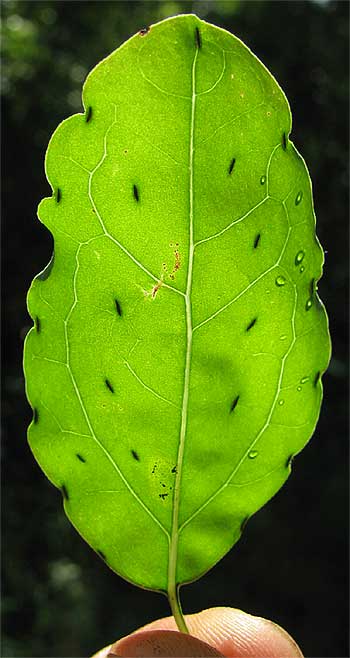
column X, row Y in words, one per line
column 304, row 380
column 299, row 388
column 302, row 269
column 253, row 454
column 298, row 198
column 280, row 402
column 280, row 281
column 299, row 257
column 308, row 304
column 262, row 180
column 283, row 337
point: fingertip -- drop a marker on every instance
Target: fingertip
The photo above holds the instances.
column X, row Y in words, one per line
column 240, row 635
column 236, row 634
column 164, row 643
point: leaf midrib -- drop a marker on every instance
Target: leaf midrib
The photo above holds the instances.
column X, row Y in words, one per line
column 173, row 545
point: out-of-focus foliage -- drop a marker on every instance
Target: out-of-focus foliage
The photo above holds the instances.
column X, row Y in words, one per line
column 58, row 598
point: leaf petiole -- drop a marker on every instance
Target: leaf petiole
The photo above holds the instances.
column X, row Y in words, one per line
column 174, row 601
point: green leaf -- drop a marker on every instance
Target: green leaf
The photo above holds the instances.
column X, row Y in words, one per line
column 175, row 364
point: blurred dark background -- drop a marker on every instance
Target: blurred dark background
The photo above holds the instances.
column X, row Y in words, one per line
column 291, row 565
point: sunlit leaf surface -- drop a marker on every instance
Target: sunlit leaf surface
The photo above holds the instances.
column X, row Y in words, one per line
column 174, row 367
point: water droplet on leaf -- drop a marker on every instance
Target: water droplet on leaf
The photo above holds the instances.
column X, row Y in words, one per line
column 299, row 388
column 308, row 304
column 298, row 198
column 262, row 180
column 280, row 402
column 302, row 269
column 304, row 380
column 299, row 257
column 283, row 337
column 280, row 281
column 253, row 454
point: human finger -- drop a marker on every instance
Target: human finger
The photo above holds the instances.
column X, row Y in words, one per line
column 229, row 631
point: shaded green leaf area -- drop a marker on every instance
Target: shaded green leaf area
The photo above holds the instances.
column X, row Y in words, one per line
column 175, row 363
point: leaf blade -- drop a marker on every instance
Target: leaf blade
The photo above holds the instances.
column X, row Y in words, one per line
column 169, row 416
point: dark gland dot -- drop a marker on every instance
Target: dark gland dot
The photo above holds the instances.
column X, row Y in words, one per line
column 144, row 31
column 257, row 240
column 174, row 469
column 118, row 307
column 35, row 416
column 109, row 385
column 230, row 170
column 312, row 287
column 88, row 114
column 135, row 455
column 198, row 38
column 284, row 141
column 251, row 324
column 64, row 492
column 81, row 459
column 58, row 195
column 136, row 193
column 244, row 523
column 37, row 325
column 234, row 404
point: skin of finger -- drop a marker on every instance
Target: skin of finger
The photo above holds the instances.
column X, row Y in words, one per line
column 163, row 643
column 233, row 633
column 103, row 653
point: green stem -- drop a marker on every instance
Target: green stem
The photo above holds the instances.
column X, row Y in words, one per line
column 174, row 600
